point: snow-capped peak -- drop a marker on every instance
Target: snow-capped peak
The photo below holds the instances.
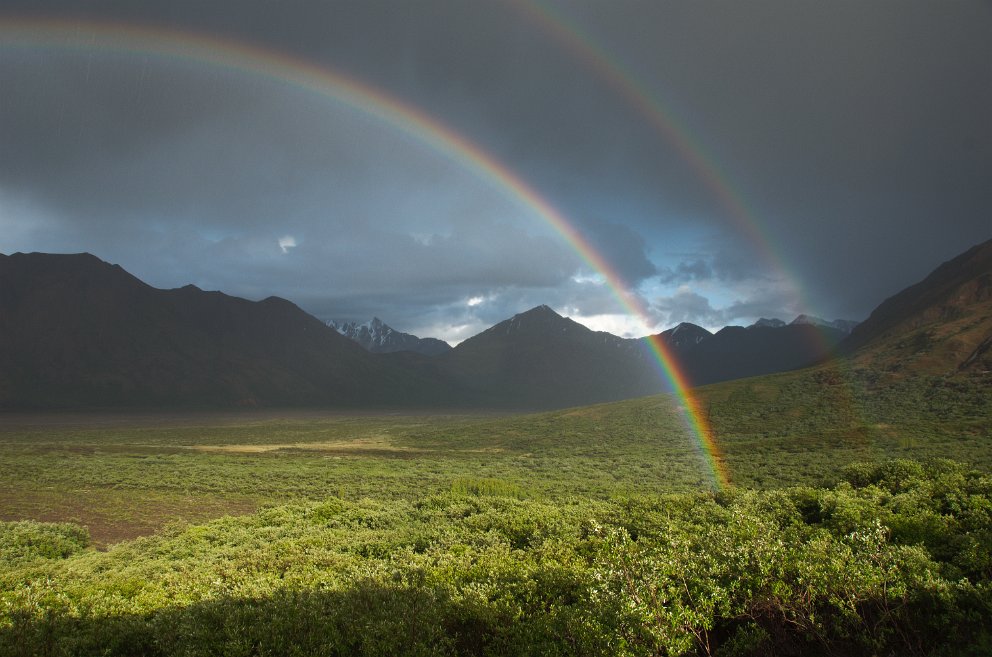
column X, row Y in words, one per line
column 768, row 323
column 377, row 336
column 845, row 325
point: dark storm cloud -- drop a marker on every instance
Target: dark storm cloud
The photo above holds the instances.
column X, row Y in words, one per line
column 686, row 271
column 72, row 110
column 851, row 140
column 689, row 306
column 623, row 248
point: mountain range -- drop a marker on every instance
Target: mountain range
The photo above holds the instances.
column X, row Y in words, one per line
column 379, row 338
column 736, row 352
column 77, row 332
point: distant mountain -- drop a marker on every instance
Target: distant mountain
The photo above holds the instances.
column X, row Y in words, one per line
column 843, row 325
column 736, row 352
column 942, row 324
column 768, row 323
column 376, row 336
column 76, row 331
column 540, row 359
column 684, row 336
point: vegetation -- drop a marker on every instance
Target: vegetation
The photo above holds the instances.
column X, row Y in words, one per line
column 590, row 531
column 895, row 559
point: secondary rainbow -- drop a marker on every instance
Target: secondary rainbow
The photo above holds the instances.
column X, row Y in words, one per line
column 279, row 67
column 664, row 120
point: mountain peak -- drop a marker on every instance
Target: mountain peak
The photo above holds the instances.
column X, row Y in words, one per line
column 60, row 260
column 378, row 337
column 538, row 318
column 844, row 325
column 685, row 334
column 80, row 270
column 769, row 323
column 809, row 319
column 686, row 326
column 75, row 322
column 542, row 310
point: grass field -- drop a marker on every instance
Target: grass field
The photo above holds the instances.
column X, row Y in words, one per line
column 493, row 530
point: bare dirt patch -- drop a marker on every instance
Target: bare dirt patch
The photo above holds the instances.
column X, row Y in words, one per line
column 113, row 516
column 376, row 445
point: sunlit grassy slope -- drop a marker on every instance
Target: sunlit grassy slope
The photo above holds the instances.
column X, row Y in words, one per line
column 797, row 427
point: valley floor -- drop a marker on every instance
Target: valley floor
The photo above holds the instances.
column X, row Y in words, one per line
column 559, row 531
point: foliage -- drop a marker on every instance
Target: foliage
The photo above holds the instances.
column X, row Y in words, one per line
column 893, row 559
column 588, row 531
column 25, row 541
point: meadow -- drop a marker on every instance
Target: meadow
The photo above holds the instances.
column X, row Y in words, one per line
column 858, row 520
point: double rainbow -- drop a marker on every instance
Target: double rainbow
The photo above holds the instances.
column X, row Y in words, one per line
column 659, row 115
column 323, row 81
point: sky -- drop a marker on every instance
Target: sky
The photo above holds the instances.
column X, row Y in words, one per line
column 443, row 165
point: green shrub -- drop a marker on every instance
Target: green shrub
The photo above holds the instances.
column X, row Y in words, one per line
column 27, row 540
column 892, row 560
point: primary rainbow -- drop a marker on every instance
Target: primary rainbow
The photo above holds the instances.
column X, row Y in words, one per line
column 320, row 80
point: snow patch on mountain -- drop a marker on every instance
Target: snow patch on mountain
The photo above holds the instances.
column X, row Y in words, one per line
column 845, row 325
column 378, row 337
column 768, row 323
column 685, row 334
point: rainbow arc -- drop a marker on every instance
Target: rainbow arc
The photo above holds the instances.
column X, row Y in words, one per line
column 362, row 97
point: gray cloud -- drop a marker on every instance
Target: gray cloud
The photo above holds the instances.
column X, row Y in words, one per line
column 622, row 247
column 688, row 306
column 686, row 271
column 841, row 151
column 741, row 304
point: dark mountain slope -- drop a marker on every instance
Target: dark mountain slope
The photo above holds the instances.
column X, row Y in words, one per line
column 735, row 352
column 76, row 331
column 539, row 359
column 684, row 336
column 942, row 324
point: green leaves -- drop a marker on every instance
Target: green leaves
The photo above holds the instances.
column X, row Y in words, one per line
column 893, row 560
column 26, row 541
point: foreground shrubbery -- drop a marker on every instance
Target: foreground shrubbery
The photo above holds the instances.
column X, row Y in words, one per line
column 894, row 559
column 27, row 541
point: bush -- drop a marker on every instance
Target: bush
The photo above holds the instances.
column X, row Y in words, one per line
column 26, row 540
column 894, row 559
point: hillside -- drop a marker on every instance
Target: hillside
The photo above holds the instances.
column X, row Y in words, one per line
column 941, row 325
column 841, row 527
